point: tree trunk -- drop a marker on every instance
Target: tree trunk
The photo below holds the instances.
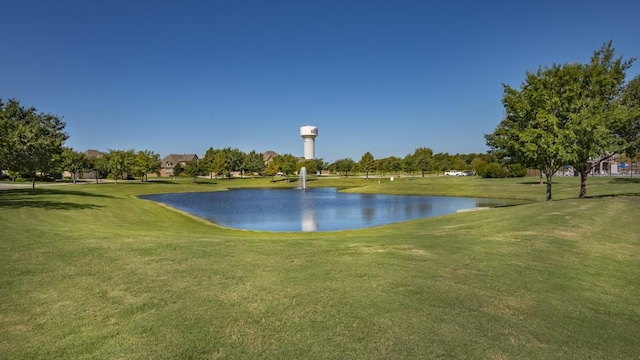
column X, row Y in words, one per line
column 549, row 186
column 33, row 181
column 583, row 182
column 74, row 178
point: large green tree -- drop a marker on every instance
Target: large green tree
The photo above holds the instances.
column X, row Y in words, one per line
column 534, row 130
column 565, row 114
column 29, row 140
column 118, row 163
column 194, row 169
column 287, row 163
column 366, row 163
column 423, row 158
column 74, row 162
column 596, row 110
column 207, row 161
column 629, row 126
column 254, row 162
column 343, row 166
column 235, row 161
column 145, row 162
column 219, row 166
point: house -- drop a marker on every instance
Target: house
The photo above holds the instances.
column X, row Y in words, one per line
column 170, row 161
column 268, row 156
column 91, row 154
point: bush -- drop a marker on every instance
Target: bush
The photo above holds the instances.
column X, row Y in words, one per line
column 493, row 171
column 517, row 170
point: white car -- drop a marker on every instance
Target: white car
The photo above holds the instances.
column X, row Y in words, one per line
column 454, row 173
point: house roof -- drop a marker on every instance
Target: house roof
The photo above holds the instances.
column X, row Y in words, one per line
column 269, row 155
column 92, row 154
column 169, row 161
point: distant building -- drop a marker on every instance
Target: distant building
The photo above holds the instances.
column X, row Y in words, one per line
column 268, row 156
column 171, row 161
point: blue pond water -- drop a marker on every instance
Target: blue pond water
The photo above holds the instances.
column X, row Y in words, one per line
column 317, row 209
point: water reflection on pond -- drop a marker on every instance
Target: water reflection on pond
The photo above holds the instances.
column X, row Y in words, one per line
column 317, row 209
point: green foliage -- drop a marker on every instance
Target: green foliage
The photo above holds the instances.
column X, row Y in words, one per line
column 344, row 166
column 254, row 162
column 516, row 170
column 220, row 165
column 29, row 141
column 193, row 169
column 235, row 161
column 310, row 164
column 146, row 161
column 423, row 158
column 118, row 163
column 207, row 161
column 272, row 168
column 409, row 164
column 75, row 162
column 366, row 163
column 493, row 171
column 563, row 114
column 628, row 128
column 287, row 163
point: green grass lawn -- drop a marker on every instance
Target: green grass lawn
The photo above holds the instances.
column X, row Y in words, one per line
column 90, row 271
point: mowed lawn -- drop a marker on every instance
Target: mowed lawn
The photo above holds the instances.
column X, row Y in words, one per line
column 92, row 272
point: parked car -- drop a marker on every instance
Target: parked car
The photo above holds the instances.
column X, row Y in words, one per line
column 454, row 173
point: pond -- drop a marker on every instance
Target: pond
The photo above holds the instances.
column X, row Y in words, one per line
column 316, row 209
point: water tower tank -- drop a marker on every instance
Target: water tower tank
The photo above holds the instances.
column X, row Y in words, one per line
column 309, row 134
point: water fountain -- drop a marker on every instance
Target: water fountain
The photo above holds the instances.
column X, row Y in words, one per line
column 303, row 178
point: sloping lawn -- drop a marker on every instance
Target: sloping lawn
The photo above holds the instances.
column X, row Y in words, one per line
column 90, row 271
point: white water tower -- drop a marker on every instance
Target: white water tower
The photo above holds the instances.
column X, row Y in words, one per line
column 309, row 134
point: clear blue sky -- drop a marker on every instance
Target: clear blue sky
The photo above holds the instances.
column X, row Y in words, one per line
column 379, row 76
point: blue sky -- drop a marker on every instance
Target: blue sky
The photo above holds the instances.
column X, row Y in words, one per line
column 380, row 76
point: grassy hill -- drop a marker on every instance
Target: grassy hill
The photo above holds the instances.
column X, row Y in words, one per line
column 91, row 271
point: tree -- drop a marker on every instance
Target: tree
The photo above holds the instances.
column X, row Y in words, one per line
column 287, row 164
column 409, row 164
column 565, row 114
column 309, row 164
column 442, row 162
column 219, row 163
column 534, row 130
column 74, row 162
column 345, row 165
column 272, row 169
column 29, row 140
column 146, row 161
column 207, row 161
column 423, row 158
column 366, row 163
column 394, row 164
column 117, row 163
column 254, row 162
column 193, row 169
column 596, row 110
column 235, row 161
column 629, row 126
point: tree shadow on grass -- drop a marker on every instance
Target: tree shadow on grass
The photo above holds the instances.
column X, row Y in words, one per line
column 27, row 198
column 44, row 204
column 49, row 191
column 628, row 180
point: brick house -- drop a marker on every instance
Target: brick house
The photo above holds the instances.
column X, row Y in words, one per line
column 170, row 161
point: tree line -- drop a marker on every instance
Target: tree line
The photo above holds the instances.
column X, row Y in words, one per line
column 423, row 161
